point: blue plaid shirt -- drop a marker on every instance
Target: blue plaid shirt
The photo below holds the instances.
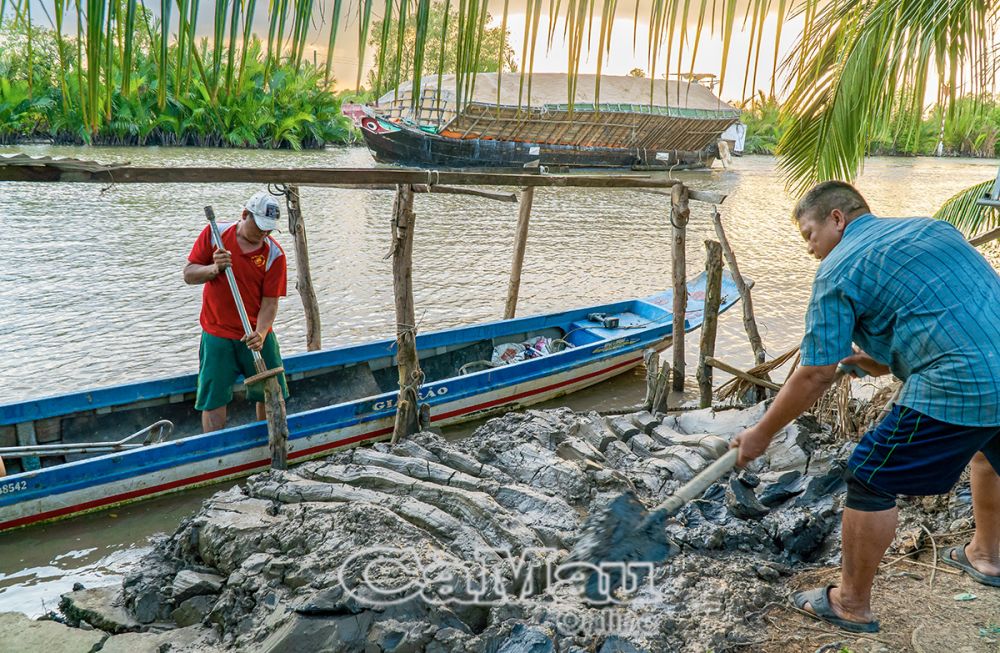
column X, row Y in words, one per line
column 914, row 295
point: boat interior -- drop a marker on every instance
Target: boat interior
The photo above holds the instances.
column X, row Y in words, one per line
column 313, row 381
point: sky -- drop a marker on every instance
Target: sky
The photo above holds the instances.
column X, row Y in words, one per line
column 620, row 61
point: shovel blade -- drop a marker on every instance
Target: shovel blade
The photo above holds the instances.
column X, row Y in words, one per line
column 624, row 532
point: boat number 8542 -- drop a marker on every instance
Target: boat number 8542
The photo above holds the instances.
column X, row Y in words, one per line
column 7, row 488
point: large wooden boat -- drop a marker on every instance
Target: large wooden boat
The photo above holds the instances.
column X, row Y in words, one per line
column 341, row 396
column 635, row 123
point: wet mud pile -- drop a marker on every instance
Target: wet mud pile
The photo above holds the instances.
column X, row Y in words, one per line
column 441, row 546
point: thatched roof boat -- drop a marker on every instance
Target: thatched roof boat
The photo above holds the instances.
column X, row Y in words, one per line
column 637, row 122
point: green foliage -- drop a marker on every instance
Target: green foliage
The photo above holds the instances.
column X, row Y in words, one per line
column 963, row 211
column 762, row 118
column 398, row 59
column 971, row 128
column 248, row 101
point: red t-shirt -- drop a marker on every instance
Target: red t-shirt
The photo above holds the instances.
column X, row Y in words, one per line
column 259, row 274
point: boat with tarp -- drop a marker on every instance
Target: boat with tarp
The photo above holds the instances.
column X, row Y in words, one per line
column 633, row 123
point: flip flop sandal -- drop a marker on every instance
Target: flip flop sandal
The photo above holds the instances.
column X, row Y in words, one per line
column 819, row 600
column 956, row 557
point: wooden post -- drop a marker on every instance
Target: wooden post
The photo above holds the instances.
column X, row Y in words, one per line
column 713, row 297
column 520, row 241
column 651, row 359
column 679, row 213
column 410, row 376
column 304, row 284
column 749, row 323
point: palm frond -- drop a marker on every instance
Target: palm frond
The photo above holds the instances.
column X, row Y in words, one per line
column 859, row 54
column 970, row 218
column 334, row 27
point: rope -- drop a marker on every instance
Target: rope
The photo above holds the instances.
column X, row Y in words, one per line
column 433, row 177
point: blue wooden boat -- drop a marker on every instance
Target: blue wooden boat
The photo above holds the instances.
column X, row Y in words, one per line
column 341, row 396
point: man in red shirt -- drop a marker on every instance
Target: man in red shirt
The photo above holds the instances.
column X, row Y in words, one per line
column 258, row 264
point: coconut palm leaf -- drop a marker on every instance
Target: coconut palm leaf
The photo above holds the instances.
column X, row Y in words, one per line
column 962, row 210
column 860, row 53
column 383, row 47
column 130, row 10
column 334, row 27
column 422, row 21
column 164, row 49
column 234, row 25
column 109, row 52
column 364, row 23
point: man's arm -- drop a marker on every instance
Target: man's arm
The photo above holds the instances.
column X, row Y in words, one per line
column 801, row 391
column 195, row 274
column 265, row 318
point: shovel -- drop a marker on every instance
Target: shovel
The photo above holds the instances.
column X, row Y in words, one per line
column 274, row 402
column 626, row 533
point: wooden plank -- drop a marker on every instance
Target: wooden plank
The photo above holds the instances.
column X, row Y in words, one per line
column 325, row 177
column 303, row 282
column 713, row 298
column 679, row 214
column 433, row 188
column 716, row 363
column 520, row 241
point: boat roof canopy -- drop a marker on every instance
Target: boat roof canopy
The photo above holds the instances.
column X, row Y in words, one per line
column 553, row 89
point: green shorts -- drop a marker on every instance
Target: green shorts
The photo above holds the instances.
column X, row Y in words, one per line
column 222, row 360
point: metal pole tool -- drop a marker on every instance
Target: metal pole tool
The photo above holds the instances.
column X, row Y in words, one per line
column 274, row 401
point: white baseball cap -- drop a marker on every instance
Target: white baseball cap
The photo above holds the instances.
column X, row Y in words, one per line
column 265, row 210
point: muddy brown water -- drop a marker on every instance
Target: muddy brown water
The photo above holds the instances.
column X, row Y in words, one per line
column 91, row 291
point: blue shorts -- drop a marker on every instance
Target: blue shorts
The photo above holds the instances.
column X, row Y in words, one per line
column 914, row 454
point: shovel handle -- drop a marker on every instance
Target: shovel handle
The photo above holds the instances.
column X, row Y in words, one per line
column 697, row 485
column 240, row 308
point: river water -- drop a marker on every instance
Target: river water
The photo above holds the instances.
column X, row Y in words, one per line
column 91, row 291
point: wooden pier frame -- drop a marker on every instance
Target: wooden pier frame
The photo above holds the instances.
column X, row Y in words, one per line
column 410, row 376
column 303, row 275
column 520, row 241
column 749, row 322
column 405, row 183
column 679, row 214
column 713, row 298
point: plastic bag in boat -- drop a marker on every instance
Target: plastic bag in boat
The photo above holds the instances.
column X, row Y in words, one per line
column 515, row 352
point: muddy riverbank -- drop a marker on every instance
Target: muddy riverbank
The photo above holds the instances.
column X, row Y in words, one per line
column 436, row 545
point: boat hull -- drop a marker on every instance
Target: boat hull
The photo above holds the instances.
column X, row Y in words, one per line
column 389, row 143
column 101, row 481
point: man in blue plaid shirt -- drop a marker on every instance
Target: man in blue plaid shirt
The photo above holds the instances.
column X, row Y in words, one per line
column 923, row 304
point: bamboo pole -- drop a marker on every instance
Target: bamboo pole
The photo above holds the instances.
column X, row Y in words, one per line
column 749, row 322
column 725, row 367
column 410, row 376
column 679, row 214
column 520, row 242
column 713, row 298
column 303, row 283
